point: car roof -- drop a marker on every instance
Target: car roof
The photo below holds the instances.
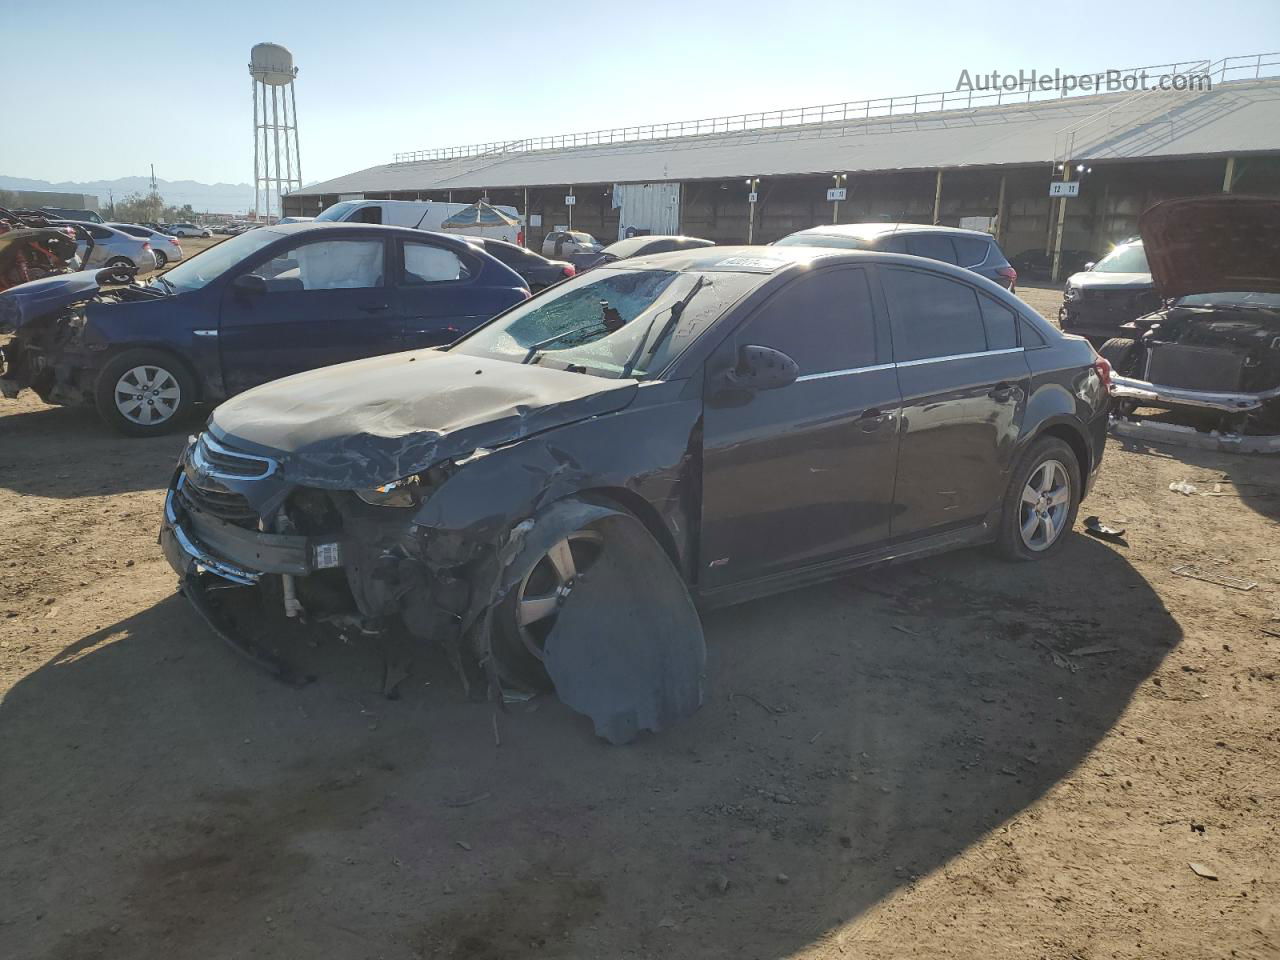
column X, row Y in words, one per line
column 873, row 231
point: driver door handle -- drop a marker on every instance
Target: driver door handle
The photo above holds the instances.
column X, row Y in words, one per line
column 377, row 308
column 871, row 419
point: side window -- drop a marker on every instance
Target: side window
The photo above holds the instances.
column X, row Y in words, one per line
column 425, row 263
column 98, row 233
column 1031, row 337
column 971, row 251
column 1000, row 322
column 823, row 321
column 368, row 215
column 892, row 244
column 932, row 245
column 325, row 265
column 932, row 316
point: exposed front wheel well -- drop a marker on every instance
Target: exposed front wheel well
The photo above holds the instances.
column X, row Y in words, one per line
column 637, row 505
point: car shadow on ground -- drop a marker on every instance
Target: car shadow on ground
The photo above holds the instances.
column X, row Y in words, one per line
column 1252, row 478
column 163, row 798
column 37, row 463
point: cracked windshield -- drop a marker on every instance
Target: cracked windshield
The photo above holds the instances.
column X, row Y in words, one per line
column 612, row 323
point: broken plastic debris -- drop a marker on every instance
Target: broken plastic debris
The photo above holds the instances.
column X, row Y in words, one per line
column 1200, row 870
column 1092, row 650
column 1221, row 579
column 1099, row 529
column 1181, row 486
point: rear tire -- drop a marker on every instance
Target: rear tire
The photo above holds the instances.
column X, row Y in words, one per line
column 1122, row 354
column 1041, row 503
column 162, row 259
column 144, row 392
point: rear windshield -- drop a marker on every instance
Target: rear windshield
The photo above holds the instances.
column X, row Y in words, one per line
column 823, row 240
column 339, row 211
column 1127, row 258
column 596, row 322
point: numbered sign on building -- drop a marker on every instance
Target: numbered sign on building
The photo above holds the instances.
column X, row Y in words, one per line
column 837, row 193
column 1064, row 188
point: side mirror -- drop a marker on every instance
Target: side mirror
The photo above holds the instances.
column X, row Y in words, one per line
column 762, row 368
column 250, row 283
column 1089, row 266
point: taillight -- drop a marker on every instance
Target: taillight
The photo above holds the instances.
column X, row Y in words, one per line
column 1102, row 367
column 520, row 238
column 1008, row 273
column 525, row 293
column 569, row 270
column 146, row 244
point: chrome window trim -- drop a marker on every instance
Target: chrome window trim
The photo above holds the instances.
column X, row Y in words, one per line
column 959, row 356
column 844, row 373
column 206, row 468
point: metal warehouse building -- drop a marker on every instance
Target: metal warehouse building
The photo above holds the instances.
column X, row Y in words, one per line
column 970, row 157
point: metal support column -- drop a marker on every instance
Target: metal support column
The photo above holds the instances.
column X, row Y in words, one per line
column 257, row 133
column 1000, row 213
column 1228, row 179
column 1062, row 216
column 937, row 198
column 297, row 147
column 526, row 218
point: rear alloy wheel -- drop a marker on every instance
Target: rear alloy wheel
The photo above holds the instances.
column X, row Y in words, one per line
column 144, row 392
column 117, row 263
column 162, row 259
column 1041, row 503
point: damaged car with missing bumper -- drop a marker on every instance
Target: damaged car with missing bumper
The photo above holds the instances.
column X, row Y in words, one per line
column 1211, row 354
column 553, row 497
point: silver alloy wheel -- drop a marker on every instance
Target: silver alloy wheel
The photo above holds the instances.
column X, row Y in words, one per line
column 548, row 584
column 147, row 395
column 161, row 259
column 1046, row 504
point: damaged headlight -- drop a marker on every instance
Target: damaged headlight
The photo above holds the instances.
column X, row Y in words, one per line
column 399, row 493
column 1071, row 292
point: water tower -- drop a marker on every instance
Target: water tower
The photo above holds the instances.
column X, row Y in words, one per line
column 272, row 69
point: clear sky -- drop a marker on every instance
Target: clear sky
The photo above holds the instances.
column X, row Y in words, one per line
column 105, row 90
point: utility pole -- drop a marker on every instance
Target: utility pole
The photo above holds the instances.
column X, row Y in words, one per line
column 753, row 185
column 839, row 178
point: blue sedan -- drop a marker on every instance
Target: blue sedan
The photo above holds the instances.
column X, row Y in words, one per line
column 266, row 304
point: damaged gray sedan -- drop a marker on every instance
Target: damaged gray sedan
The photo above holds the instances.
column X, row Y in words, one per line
column 553, row 496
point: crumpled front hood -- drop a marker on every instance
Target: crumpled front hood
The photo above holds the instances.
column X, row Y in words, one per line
column 38, row 298
column 361, row 424
column 1213, row 244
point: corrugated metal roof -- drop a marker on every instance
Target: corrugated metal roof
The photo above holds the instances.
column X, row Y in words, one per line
column 1234, row 118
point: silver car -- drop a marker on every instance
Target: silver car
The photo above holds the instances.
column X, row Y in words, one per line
column 112, row 247
column 559, row 244
column 189, row 230
column 165, row 247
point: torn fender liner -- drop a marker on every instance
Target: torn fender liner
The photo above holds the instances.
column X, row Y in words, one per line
column 375, row 421
column 627, row 649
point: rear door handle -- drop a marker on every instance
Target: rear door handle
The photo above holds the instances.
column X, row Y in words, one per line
column 377, row 308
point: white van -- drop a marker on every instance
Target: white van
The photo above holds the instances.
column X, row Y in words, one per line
column 420, row 215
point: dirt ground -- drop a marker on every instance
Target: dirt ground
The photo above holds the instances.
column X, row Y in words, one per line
column 910, row 763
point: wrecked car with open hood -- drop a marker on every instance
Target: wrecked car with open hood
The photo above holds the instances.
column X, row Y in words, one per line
column 31, row 248
column 1212, row 352
column 553, row 496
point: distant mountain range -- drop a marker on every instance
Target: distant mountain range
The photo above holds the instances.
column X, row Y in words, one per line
column 203, row 197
